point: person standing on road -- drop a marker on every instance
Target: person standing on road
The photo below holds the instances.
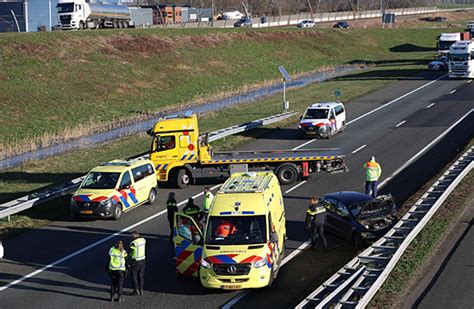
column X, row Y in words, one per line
column 172, row 208
column 192, row 210
column 208, row 197
column 137, row 262
column 372, row 175
column 315, row 221
column 116, row 269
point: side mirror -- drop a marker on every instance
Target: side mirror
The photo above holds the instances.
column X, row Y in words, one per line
column 196, row 240
column 125, row 187
column 274, row 237
column 301, row 117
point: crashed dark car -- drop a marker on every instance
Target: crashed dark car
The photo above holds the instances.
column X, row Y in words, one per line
column 359, row 217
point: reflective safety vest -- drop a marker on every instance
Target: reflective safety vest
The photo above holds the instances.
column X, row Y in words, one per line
column 137, row 247
column 318, row 210
column 208, row 197
column 372, row 171
column 117, row 259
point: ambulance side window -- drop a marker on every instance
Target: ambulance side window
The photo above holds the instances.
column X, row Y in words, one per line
column 126, row 181
column 141, row 172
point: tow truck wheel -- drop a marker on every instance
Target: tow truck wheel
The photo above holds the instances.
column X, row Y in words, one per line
column 152, row 196
column 182, row 179
column 118, row 211
column 287, row 173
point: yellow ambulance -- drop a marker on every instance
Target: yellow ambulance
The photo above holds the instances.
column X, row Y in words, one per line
column 243, row 241
column 115, row 187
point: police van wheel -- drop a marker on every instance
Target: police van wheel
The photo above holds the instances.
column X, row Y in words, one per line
column 182, row 179
column 287, row 173
column 117, row 212
column 152, row 196
column 343, row 128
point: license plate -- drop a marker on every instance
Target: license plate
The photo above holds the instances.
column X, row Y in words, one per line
column 86, row 212
column 232, row 287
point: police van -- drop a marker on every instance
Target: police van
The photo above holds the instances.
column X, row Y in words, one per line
column 323, row 119
column 115, row 187
column 242, row 243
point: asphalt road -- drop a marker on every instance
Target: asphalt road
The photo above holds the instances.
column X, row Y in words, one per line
column 74, row 253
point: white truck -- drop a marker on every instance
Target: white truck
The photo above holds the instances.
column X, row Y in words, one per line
column 461, row 60
column 447, row 39
column 79, row 14
column 232, row 15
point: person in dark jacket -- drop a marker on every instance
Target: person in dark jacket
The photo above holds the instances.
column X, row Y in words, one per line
column 172, row 208
column 315, row 221
column 192, row 210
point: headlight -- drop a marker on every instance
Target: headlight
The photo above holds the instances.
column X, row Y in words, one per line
column 205, row 264
column 260, row 263
column 106, row 203
column 367, row 226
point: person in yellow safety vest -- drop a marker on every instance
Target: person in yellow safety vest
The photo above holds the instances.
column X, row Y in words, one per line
column 315, row 221
column 208, row 197
column 372, row 175
column 116, row 269
column 137, row 262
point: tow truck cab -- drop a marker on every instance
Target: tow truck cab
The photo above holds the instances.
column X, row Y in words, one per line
column 242, row 243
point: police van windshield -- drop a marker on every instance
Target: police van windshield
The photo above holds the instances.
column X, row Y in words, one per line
column 236, row 230
column 65, row 7
column 99, row 180
column 316, row 113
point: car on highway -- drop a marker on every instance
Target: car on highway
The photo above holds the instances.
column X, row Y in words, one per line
column 113, row 188
column 244, row 22
column 307, row 23
column 342, row 25
column 323, row 120
column 439, row 64
column 359, row 217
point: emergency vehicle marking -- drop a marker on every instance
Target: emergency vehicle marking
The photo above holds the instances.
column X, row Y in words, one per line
column 85, row 198
column 272, row 159
column 223, row 213
column 223, row 259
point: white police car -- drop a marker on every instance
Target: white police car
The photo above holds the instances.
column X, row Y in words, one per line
column 323, row 119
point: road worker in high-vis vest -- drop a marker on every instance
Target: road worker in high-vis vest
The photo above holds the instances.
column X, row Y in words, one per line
column 137, row 262
column 372, row 175
column 208, row 197
column 116, row 269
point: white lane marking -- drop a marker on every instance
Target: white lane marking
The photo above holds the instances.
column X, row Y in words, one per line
column 304, row 144
column 181, row 203
column 400, row 123
column 293, row 188
column 288, row 258
column 453, row 91
column 395, row 100
column 431, row 105
column 469, row 81
column 418, row 154
column 360, row 148
column 95, row 244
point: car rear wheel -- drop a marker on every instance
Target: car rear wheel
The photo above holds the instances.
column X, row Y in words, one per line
column 152, row 196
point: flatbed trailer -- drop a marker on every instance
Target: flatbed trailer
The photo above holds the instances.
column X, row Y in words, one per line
column 182, row 156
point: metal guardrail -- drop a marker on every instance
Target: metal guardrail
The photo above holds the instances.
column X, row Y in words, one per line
column 37, row 198
column 354, row 285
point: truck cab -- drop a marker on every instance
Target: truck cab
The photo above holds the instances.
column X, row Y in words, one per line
column 461, row 60
column 242, row 243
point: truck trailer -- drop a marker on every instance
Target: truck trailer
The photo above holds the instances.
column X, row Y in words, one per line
column 80, row 14
column 447, row 39
column 181, row 156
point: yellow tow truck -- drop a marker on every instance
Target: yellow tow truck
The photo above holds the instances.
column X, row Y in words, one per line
column 181, row 156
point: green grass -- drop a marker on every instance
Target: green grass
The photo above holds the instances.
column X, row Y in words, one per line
column 58, row 85
column 420, row 250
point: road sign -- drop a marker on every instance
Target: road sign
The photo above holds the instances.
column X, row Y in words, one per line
column 285, row 74
column 337, row 93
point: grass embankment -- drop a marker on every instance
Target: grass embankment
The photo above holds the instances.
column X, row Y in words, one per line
column 422, row 247
column 60, row 85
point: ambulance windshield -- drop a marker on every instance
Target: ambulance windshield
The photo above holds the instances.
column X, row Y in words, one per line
column 98, row 180
column 236, row 230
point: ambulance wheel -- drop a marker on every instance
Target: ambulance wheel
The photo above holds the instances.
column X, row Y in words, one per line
column 182, row 178
column 287, row 173
column 117, row 211
column 152, row 196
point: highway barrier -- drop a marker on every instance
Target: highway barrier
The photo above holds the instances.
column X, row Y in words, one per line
column 13, row 207
column 357, row 282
